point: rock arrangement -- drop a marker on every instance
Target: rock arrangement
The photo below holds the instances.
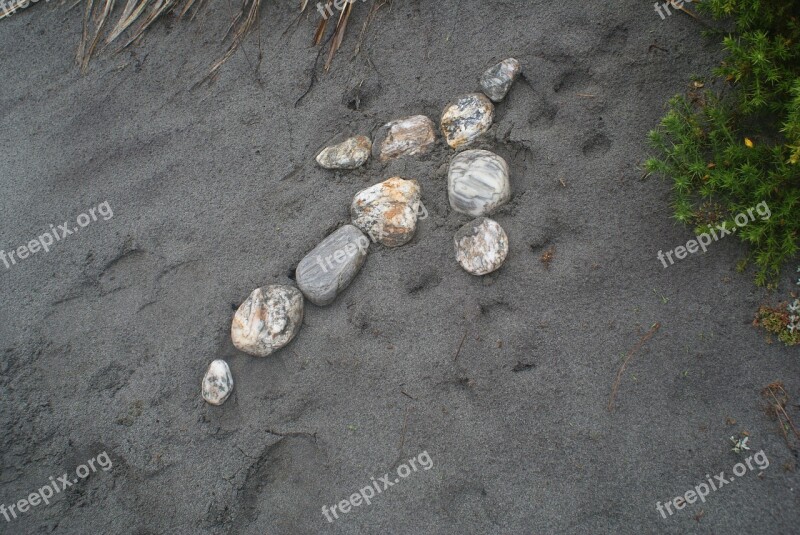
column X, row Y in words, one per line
column 386, row 213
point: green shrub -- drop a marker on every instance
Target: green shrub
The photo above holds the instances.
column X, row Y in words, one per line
column 728, row 150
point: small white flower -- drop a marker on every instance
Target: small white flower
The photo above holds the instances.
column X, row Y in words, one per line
column 740, row 445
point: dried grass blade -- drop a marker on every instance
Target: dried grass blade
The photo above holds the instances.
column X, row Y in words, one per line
column 159, row 8
column 320, row 32
column 239, row 34
column 338, row 35
column 129, row 16
column 100, row 18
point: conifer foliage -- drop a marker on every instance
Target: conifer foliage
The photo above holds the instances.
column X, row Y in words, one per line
column 730, row 149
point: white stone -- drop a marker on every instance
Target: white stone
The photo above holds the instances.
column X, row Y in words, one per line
column 412, row 136
column 349, row 154
column 268, row 319
column 481, row 246
column 387, row 212
column 218, row 383
column 466, row 119
column 477, row 182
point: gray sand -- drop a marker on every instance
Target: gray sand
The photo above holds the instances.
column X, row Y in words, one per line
column 214, row 190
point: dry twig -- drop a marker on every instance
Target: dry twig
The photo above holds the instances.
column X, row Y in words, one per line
column 653, row 330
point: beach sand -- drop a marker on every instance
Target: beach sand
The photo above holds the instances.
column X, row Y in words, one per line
column 503, row 380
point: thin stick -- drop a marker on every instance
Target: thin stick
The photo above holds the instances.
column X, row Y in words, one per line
column 780, row 408
column 405, row 425
column 459, row 345
column 653, row 330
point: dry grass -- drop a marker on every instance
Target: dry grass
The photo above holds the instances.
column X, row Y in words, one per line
column 777, row 400
column 653, row 330
column 137, row 16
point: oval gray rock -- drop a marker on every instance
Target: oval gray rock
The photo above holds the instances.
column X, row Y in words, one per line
column 497, row 80
column 218, row 383
column 268, row 319
column 332, row 265
column 477, row 182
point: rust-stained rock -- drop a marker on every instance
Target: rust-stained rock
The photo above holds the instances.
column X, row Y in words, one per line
column 387, row 211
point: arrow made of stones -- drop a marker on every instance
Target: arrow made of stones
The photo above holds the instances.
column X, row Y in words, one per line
column 386, row 213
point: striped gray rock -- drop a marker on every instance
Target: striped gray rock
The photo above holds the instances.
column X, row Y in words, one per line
column 412, row 136
column 481, row 246
column 218, row 383
column 268, row 319
column 332, row 265
column 497, row 80
column 349, row 154
column 388, row 211
column 466, row 119
column 477, row 182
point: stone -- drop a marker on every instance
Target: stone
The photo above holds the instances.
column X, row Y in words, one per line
column 349, row 154
column 332, row 265
column 268, row 319
column 466, row 119
column 412, row 136
column 477, row 182
column 387, row 211
column 481, row 246
column 217, row 383
column 497, row 80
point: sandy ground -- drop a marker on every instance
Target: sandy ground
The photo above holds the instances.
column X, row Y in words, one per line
column 215, row 192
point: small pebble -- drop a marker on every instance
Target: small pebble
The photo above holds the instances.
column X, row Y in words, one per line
column 481, row 246
column 477, row 182
column 217, row 383
column 268, row 319
column 467, row 119
column 349, row 154
column 411, row 136
column 332, row 265
column 497, row 80
column 388, row 211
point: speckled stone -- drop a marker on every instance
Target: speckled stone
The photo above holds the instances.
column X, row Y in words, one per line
column 466, row 119
column 481, row 246
column 497, row 80
column 388, row 211
column 332, row 265
column 218, row 383
column 268, row 320
column 477, row 182
column 412, row 136
column 349, row 154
